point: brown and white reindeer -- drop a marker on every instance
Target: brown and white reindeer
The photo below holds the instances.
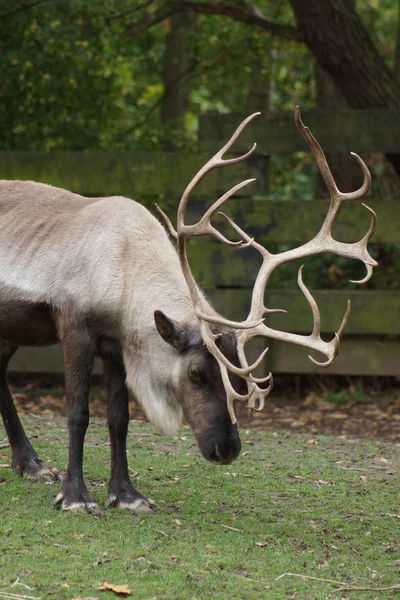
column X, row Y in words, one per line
column 101, row 276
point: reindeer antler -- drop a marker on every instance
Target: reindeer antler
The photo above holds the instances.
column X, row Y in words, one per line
column 254, row 324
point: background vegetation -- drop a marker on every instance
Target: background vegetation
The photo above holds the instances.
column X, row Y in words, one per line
column 88, row 74
column 138, row 75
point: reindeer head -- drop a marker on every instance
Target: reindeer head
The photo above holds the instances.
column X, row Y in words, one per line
column 199, row 389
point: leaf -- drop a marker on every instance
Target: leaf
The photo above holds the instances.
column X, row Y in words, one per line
column 117, row 589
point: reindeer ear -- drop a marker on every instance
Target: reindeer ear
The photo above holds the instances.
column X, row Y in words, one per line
column 170, row 330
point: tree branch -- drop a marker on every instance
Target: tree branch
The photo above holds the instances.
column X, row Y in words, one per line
column 157, row 17
column 129, row 11
column 21, row 7
column 252, row 17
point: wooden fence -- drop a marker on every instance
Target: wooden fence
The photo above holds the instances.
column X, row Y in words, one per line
column 371, row 345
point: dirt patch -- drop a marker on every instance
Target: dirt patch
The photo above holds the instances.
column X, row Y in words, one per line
column 314, row 415
column 353, row 408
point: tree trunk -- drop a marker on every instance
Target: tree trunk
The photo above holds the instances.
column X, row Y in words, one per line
column 341, row 45
column 397, row 55
column 175, row 77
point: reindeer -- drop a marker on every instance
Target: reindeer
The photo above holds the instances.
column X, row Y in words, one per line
column 101, row 276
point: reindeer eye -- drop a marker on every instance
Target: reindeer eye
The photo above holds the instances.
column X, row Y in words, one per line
column 195, row 375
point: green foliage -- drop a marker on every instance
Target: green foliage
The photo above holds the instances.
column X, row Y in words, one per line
column 380, row 18
column 60, row 83
column 74, row 79
column 286, row 506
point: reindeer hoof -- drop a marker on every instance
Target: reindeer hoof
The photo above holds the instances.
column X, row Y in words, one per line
column 36, row 470
column 140, row 505
column 80, row 506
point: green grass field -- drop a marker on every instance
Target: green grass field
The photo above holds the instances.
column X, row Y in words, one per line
column 317, row 510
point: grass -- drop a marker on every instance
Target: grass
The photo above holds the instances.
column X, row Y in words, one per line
column 344, row 397
column 326, row 508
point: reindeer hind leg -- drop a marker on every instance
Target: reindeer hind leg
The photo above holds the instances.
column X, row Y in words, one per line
column 25, row 461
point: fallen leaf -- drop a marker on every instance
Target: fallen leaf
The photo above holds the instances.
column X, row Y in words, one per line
column 312, row 442
column 86, row 598
column 261, row 544
column 117, row 589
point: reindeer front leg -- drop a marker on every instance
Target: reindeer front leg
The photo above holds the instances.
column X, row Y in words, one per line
column 79, row 351
column 121, row 493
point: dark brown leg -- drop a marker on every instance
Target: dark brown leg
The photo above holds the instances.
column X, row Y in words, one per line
column 78, row 360
column 25, row 461
column 121, row 493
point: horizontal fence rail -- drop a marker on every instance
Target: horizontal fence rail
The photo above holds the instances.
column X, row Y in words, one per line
column 363, row 130
column 373, row 312
column 133, row 174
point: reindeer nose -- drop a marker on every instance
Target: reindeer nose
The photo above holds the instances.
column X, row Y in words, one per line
column 226, row 451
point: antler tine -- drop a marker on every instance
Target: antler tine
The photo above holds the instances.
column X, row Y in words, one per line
column 324, row 168
column 372, row 226
column 232, row 395
column 364, row 189
column 216, row 320
column 233, row 139
column 204, row 226
column 334, row 344
column 318, row 153
column 250, row 241
column 311, row 301
column 168, row 222
column 363, row 243
column 329, row 360
column 368, row 276
column 344, row 320
column 260, row 395
column 209, row 213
